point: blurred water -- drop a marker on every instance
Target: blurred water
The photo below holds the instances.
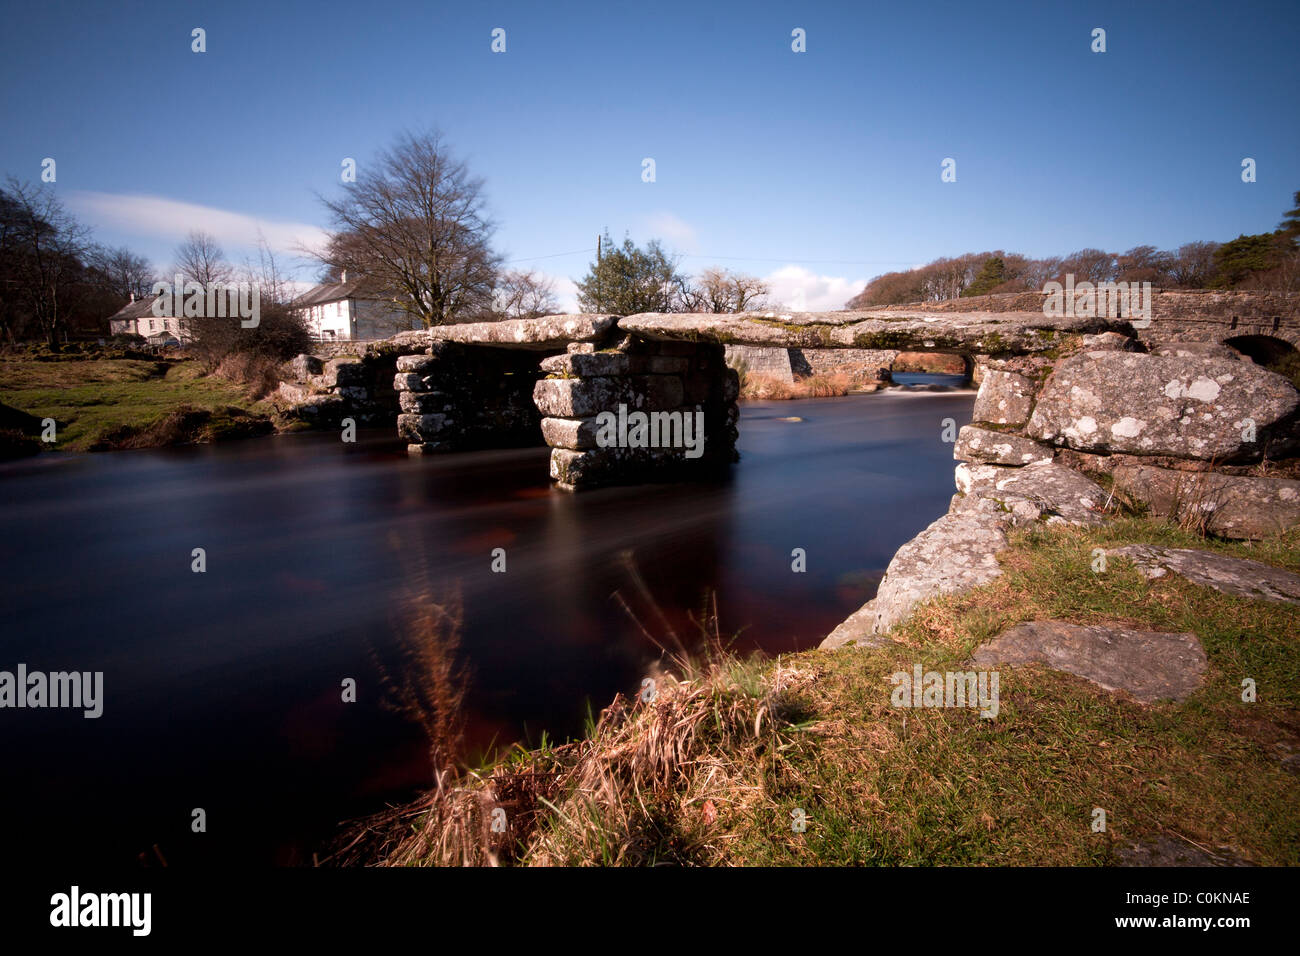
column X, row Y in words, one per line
column 222, row 689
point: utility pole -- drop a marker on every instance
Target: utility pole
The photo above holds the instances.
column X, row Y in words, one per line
column 600, row 302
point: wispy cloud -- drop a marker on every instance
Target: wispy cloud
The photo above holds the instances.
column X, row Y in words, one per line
column 162, row 218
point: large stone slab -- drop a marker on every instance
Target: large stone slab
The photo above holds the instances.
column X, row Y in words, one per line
column 1150, row 665
column 999, row 448
column 1234, row 506
column 550, row 332
column 986, row 333
column 1236, row 576
column 954, row 554
column 1187, row 407
column 1044, row 491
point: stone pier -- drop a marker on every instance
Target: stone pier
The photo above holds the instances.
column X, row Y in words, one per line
column 671, row 408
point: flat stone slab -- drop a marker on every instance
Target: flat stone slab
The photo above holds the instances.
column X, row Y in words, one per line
column 1237, row 576
column 1149, row 665
column 550, row 332
column 1235, row 506
column 1042, row 491
column 986, row 333
column 999, row 448
column 1201, row 407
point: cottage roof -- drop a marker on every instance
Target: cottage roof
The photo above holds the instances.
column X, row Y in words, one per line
column 140, row 309
column 361, row 288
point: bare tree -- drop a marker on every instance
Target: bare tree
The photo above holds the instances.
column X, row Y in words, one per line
column 415, row 224
column 1193, row 265
column 45, row 272
column 200, row 259
column 717, row 290
column 122, row 272
column 281, row 331
column 1091, row 265
column 525, row 295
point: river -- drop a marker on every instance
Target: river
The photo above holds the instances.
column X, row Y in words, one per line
column 222, row 689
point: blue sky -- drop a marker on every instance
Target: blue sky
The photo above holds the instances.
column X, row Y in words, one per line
column 817, row 169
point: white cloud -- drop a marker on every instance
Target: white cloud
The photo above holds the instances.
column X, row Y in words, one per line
column 677, row 232
column 566, row 291
column 172, row 219
column 801, row 290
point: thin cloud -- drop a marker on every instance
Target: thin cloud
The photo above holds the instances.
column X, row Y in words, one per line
column 173, row 219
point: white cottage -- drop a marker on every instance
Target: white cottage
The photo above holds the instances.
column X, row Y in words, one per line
column 352, row 311
column 137, row 318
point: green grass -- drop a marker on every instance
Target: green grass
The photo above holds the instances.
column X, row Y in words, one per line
column 92, row 398
column 936, row 786
column 710, row 773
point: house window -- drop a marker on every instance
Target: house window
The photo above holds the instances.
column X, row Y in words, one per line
column 153, row 325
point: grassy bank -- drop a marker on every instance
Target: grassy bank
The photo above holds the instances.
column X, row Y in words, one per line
column 712, row 769
column 127, row 402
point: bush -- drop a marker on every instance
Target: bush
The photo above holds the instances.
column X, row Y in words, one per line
column 260, row 373
column 279, row 335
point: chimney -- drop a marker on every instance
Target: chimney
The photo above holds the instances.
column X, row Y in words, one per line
column 132, row 298
column 345, row 276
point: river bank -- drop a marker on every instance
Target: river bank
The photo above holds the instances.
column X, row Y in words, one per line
column 808, row 759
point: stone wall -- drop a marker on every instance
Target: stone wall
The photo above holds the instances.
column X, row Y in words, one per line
column 773, row 363
column 323, row 392
column 859, row 363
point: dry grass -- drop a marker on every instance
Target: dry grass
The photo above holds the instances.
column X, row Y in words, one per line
column 766, row 388
column 259, row 374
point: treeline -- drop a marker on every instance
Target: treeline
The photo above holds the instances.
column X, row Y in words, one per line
column 1265, row 261
column 56, row 283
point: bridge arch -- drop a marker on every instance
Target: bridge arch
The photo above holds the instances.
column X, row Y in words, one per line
column 1273, row 353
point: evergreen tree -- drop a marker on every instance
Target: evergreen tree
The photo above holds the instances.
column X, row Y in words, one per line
column 626, row 280
column 991, row 275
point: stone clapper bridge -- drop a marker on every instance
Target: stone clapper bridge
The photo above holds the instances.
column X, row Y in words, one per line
column 521, row 382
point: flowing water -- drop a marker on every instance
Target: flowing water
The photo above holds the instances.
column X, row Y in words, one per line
column 222, row 690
